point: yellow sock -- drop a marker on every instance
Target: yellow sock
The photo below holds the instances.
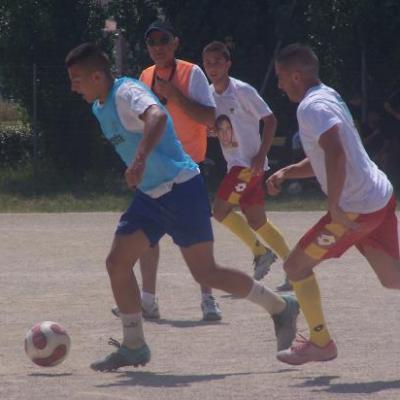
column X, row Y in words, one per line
column 307, row 292
column 239, row 226
column 274, row 239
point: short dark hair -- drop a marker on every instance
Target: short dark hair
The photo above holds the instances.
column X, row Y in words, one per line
column 218, row 47
column 300, row 55
column 89, row 55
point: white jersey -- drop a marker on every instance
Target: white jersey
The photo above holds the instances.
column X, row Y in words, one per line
column 239, row 110
column 199, row 89
column 366, row 188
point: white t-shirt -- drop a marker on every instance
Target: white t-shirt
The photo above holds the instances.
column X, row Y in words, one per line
column 132, row 101
column 366, row 188
column 239, row 110
column 199, row 89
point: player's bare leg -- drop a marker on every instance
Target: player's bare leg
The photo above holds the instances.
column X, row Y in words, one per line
column 386, row 267
column 283, row 309
column 125, row 251
column 148, row 268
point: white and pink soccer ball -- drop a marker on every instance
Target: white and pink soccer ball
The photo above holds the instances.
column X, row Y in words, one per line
column 47, row 343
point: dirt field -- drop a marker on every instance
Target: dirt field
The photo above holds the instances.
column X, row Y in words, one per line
column 52, row 268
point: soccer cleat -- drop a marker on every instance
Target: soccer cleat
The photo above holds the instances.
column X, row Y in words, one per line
column 262, row 264
column 150, row 311
column 285, row 323
column 122, row 357
column 285, row 286
column 210, row 308
column 303, row 351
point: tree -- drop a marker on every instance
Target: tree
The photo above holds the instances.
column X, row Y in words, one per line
column 340, row 30
column 41, row 33
column 133, row 17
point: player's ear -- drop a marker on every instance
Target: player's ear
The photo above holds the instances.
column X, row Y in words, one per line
column 97, row 76
column 296, row 76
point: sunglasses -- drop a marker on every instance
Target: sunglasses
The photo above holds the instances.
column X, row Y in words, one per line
column 162, row 41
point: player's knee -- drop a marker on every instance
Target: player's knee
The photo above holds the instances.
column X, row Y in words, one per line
column 218, row 214
column 289, row 267
column 254, row 223
column 293, row 270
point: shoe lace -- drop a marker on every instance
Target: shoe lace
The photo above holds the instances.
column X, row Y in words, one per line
column 300, row 342
column 210, row 303
column 114, row 342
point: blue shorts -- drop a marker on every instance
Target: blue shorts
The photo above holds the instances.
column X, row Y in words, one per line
column 183, row 213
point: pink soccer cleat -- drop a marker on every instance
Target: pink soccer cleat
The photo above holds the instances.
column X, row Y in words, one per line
column 303, row 351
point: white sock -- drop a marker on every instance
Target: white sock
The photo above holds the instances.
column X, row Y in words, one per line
column 265, row 298
column 148, row 298
column 132, row 329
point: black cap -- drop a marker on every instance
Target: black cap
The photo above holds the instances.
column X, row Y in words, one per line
column 161, row 26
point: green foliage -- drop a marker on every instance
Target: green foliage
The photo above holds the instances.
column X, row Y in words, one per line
column 340, row 29
column 42, row 32
column 11, row 112
column 15, row 145
column 133, row 17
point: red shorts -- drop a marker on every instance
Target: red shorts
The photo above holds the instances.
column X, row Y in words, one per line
column 241, row 188
column 379, row 230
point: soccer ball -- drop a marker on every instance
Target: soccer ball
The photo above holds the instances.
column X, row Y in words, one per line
column 47, row 343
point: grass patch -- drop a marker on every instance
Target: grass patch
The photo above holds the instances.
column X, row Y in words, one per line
column 22, row 192
column 87, row 200
column 63, row 202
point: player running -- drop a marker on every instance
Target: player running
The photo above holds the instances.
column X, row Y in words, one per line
column 239, row 112
column 170, row 198
column 360, row 200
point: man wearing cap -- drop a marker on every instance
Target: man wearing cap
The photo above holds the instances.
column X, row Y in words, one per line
column 184, row 90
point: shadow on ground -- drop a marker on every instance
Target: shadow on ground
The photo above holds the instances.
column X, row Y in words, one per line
column 347, row 388
column 153, row 379
column 50, row 375
column 185, row 323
